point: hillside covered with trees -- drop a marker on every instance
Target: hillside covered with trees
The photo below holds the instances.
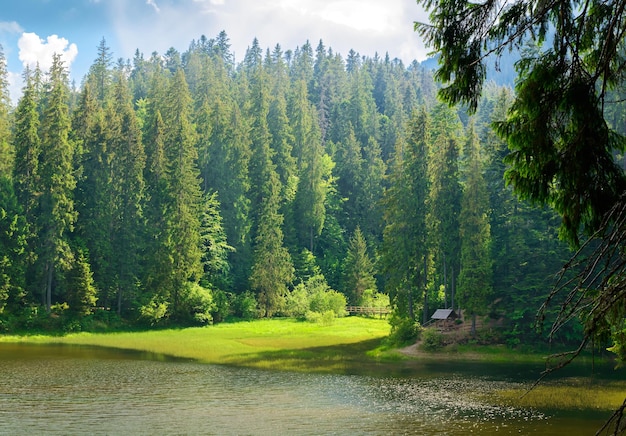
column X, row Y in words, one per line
column 185, row 188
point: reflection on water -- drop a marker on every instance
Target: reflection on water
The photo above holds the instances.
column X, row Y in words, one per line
column 74, row 390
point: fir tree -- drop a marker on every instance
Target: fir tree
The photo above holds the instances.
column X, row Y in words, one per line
column 7, row 152
column 404, row 251
column 57, row 216
column 359, row 269
column 475, row 279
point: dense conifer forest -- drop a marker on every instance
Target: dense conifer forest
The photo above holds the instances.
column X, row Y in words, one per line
column 186, row 188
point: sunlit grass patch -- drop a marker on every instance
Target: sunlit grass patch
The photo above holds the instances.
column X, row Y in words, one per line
column 268, row 343
column 576, row 395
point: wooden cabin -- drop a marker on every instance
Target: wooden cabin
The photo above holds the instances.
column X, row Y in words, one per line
column 444, row 319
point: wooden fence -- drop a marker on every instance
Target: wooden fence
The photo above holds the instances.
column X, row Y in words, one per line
column 362, row 310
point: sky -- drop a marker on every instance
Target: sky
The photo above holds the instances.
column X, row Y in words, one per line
column 32, row 30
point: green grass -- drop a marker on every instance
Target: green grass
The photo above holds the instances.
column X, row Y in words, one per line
column 567, row 395
column 285, row 344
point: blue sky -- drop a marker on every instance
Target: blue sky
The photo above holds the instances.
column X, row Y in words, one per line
column 32, row 30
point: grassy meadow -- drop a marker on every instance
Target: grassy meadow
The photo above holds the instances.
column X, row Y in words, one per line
column 285, row 344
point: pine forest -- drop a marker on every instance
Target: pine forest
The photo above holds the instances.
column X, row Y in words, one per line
column 186, row 188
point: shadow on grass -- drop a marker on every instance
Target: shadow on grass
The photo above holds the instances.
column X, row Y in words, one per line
column 350, row 358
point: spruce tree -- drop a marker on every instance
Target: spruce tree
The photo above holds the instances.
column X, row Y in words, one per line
column 81, row 291
column 7, row 151
column 272, row 268
column 56, row 216
column 128, row 161
column 183, row 184
column 404, row 250
column 359, row 269
column 475, row 278
column 13, row 245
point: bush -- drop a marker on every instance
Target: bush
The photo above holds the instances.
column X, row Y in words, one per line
column 244, row 306
column 315, row 317
column 432, row 340
column 328, row 301
column 297, row 302
column 154, row 311
column 221, row 305
column 403, row 330
column 317, row 297
column 371, row 298
column 195, row 305
column 326, row 318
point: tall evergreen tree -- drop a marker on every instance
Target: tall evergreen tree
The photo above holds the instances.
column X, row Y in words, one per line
column 81, row 291
column 128, row 190
column 27, row 148
column 13, row 245
column 94, row 197
column 315, row 168
column 475, row 279
column 100, row 74
column 56, row 216
column 7, row 152
column 272, row 269
column 359, row 269
column 183, row 184
column 444, row 209
column 404, row 250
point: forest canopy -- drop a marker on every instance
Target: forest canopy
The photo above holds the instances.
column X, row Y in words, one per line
column 184, row 188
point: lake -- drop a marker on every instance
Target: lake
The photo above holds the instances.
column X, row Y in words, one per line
column 86, row 390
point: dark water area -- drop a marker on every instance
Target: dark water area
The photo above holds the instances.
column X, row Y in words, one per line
column 84, row 390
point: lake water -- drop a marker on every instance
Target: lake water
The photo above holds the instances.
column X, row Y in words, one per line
column 69, row 390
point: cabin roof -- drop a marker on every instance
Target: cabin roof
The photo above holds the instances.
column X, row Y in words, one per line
column 444, row 314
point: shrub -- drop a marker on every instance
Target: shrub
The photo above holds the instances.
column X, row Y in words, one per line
column 371, row 298
column 328, row 301
column 432, row 340
column 154, row 311
column 403, row 330
column 297, row 302
column 221, row 305
column 325, row 318
column 195, row 305
column 315, row 295
column 315, row 317
column 244, row 306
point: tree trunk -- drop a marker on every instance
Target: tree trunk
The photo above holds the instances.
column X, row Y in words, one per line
column 425, row 312
column 50, row 273
column 473, row 331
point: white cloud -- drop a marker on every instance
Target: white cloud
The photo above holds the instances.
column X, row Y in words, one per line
column 154, row 5
column 34, row 50
column 10, row 27
column 367, row 26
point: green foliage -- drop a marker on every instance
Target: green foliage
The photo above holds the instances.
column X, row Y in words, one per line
column 432, row 340
column 244, row 306
column 359, row 269
column 323, row 301
column 314, row 296
column 324, row 318
column 154, row 311
column 403, row 330
column 222, row 305
column 404, row 250
column 371, row 298
column 81, row 292
column 297, row 302
column 195, row 305
column 13, row 233
column 289, row 175
column 475, row 278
